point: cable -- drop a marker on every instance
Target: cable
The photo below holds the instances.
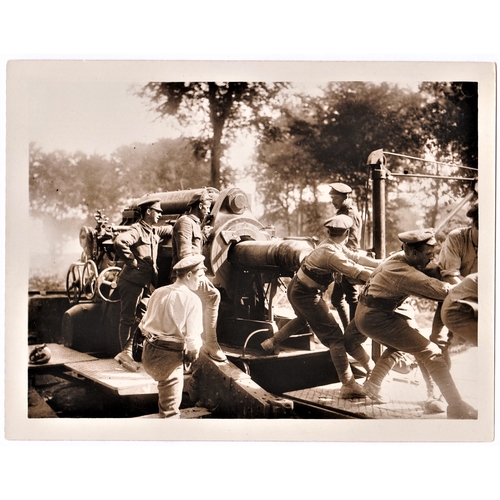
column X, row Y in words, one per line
column 430, row 161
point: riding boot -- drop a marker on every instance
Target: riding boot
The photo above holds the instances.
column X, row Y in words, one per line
column 125, row 357
column 211, row 347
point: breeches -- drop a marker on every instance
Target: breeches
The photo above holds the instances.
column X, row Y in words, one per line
column 309, row 306
column 460, row 319
column 130, row 295
column 166, row 367
column 344, row 289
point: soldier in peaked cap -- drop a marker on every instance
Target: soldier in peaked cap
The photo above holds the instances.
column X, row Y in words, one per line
column 381, row 317
column 345, row 294
column 173, row 325
column 138, row 248
column 188, row 239
column 329, row 261
column 457, row 259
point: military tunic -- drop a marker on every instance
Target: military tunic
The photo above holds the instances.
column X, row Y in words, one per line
column 188, row 239
column 305, row 294
column 377, row 317
column 138, row 248
column 345, row 293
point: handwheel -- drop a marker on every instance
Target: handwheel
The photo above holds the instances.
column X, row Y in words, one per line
column 106, row 284
column 73, row 284
column 89, row 278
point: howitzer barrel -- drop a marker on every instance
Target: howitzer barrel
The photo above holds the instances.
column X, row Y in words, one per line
column 177, row 202
column 285, row 254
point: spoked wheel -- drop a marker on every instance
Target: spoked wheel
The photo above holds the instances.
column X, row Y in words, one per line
column 74, row 284
column 89, row 279
column 107, row 283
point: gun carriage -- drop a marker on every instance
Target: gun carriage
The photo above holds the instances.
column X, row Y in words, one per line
column 245, row 261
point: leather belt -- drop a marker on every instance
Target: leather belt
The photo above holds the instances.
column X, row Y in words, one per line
column 309, row 282
column 170, row 345
column 378, row 303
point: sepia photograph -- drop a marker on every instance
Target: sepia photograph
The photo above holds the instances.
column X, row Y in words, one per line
column 250, row 251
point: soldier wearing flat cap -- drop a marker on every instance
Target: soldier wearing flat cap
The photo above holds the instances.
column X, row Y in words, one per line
column 173, row 325
column 188, row 238
column 379, row 317
column 457, row 259
column 138, row 248
column 345, row 294
column 327, row 262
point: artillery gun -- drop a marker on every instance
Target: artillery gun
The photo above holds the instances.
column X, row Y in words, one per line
column 245, row 261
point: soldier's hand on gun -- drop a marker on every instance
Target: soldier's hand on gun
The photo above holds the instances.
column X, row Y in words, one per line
column 191, row 356
column 207, row 230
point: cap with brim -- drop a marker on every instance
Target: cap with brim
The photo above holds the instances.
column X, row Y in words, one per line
column 190, row 263
column 418, row 236
column 340, row 188
column 200, row 196
column 339, row 222
column 149, row 202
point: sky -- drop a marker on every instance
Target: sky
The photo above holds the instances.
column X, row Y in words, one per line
column 99, row 117
column 93, row 117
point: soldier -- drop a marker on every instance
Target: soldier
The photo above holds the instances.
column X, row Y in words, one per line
column 188, row 238
column 172, row 326
column 457, row 259
column 138, row 248
column 328, row 261
column 345, row 294
column 377, row 317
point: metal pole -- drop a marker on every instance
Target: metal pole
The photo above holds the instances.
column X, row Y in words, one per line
column 454, row 211
column 378, row 177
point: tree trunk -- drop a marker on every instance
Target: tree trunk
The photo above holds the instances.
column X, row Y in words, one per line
column 216, row 153
column 220, row 106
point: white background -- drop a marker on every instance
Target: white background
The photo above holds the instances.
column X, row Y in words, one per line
column 258, row 30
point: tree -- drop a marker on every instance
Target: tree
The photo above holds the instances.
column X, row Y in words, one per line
column 328, row 138
column 166, row 165
column 355, row 118
column 228, row 105
column 451, row 118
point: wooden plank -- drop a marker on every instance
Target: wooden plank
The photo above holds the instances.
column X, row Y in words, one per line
column 60, row 355
column 112, row 375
